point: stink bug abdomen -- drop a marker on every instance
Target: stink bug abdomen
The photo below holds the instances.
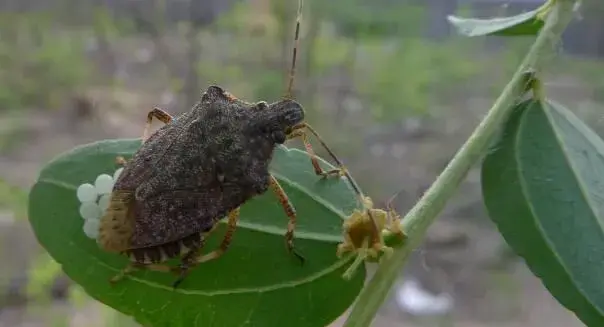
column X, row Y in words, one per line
column 117, row 225
column 164, row 252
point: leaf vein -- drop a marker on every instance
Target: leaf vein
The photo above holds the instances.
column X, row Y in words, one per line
column 262, row 289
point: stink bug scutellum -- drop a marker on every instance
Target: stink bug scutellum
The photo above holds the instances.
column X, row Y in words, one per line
column 197, row 169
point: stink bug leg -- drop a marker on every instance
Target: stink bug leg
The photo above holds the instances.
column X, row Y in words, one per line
column 159, row 114
column 187, row 261
column 291, row 214
column 234, row 218
column 192, row 260
column 226, row 240
column 313, row 157
column 121, row 161
column 363, row 224
column 298, row 131
column 134, row 266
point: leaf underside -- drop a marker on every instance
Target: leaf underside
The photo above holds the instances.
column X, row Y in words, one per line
column 255, row 283
column 543, row 185
column 523, row 24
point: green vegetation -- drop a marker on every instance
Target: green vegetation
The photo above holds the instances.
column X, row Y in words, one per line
column 43, row 65
column 392, row 72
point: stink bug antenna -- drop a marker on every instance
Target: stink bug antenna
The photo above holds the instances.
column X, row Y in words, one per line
column 288, row 95
column 292, row 70
column 391, row 199
column 289, row 90
column 353, row 183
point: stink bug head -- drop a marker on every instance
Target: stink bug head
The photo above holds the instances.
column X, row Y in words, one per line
column 286, row 114
column 279, row 119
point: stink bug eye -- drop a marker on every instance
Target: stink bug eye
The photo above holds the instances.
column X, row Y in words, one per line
column 261, row 106
column 280, row 117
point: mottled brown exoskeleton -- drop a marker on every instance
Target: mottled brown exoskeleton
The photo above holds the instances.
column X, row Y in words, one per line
column 197, row 169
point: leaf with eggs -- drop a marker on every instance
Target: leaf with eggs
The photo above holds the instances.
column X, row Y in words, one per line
column 256, row 283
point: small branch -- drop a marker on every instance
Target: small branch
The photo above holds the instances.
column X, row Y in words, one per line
column 417, row 221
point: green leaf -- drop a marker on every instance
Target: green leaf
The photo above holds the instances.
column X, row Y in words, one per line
column 527, row 23
column 256, row 283
column 543, row 185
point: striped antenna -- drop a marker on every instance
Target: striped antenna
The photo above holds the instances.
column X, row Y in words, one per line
column 292, row 70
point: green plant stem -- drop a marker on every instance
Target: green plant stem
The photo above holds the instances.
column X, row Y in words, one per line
column 419, row 218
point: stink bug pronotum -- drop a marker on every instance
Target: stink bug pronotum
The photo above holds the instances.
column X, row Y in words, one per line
column 197, row 169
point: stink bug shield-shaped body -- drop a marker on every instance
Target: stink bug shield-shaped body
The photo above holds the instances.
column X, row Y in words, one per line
column 189, row 174
column 197, row 169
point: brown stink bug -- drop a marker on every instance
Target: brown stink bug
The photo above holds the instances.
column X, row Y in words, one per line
column 197, row 169
column 362, row 232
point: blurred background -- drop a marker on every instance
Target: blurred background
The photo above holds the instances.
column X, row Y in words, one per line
column 387, row 83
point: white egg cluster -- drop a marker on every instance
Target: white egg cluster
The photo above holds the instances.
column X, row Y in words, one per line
column 94, row 201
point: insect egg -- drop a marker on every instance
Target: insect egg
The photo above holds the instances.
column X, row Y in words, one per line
column 90, row 211
column 91, row 228
column 86, row 193
column 104, row 202
column 103, row 184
